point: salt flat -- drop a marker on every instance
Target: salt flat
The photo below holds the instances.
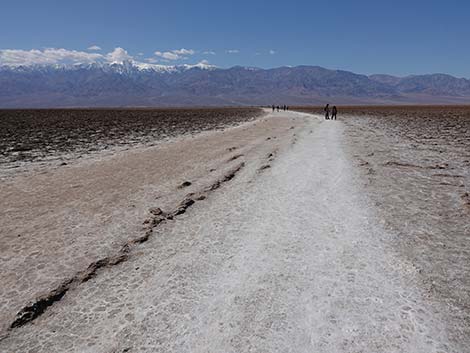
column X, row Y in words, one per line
column 281, row 250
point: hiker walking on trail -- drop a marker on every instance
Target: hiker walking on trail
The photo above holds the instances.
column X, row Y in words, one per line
column 334, row 111
column 327, row 112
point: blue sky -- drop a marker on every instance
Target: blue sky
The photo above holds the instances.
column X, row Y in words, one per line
column 396, row 37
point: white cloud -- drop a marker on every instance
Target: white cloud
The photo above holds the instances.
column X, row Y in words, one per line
column 48, row 56
column 177, row 54
column 118, row 55
column 183, row 51
column 233, row 51
column 272, row 52
column 94, row 48
column 151, row 60
column 168, row 55
column 17, row 57
column 209, row 52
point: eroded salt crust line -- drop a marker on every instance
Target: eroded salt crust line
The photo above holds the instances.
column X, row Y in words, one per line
column 38, row 307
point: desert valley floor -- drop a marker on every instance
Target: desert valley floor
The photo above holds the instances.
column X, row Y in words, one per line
column 268, row 232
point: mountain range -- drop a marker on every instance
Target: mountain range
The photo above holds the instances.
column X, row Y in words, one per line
column 147, row 85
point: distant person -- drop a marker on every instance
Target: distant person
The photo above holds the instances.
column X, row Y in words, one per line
column 277, row 108
column 327, row 112
column 287, row 107
column 334, row 111
column 284, row 107
column 274, row 107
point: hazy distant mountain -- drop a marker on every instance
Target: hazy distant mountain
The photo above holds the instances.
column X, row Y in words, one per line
column 136, row 84
column 386, row 79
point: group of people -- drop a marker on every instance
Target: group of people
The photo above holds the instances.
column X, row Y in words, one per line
column 330, row 113
column 282, row 107
column 333, row 110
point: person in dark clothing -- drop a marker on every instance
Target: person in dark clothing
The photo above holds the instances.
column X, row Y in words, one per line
column 334, row 111
column 327, row 112
column 274, row 107
column 287, row 107
column 277, row 108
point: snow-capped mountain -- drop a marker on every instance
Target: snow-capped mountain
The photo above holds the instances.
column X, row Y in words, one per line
column 124, row 67
column 131, row 83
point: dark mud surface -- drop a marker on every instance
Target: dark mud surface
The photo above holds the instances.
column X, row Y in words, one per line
column 38, row 135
